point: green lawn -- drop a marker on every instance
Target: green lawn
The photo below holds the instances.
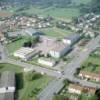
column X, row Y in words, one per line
column 29, row 86
column 92, row 60
column 56, row 32
column 13, row 46
column 23, row 86
column 10, row 67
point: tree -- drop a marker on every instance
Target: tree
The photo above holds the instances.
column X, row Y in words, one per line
column 36, row 39
column 29, row 76
column 66, row 82
column 27, row 44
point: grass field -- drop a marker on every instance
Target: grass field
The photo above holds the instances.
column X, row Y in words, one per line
column 13, row 46
column 58, row 13
column 10, row 67
column 56, row 32
column 24, row 87
column 92, row 60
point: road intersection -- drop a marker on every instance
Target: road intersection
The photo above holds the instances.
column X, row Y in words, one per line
column 69, row 70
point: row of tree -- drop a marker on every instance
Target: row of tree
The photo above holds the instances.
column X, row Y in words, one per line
column 43, row 3
column 93, row 6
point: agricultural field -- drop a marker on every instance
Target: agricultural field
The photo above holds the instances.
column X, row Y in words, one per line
column 26, row 90
column 57, row 13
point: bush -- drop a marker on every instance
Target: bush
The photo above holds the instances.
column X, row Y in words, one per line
column 29, row 76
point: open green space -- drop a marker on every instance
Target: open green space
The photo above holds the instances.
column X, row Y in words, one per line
column 23, row 86
column 13, row 46
column 91, row 64
column 10, row 67
column 56, row 32
column 58, row 13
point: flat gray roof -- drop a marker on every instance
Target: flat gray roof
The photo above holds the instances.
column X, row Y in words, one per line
column 7, row 78
column 7, row 96
column 72, row 36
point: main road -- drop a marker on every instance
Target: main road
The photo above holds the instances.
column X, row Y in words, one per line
column 5, row 59
column 69, row 70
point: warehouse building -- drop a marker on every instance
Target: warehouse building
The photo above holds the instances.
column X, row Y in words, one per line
column 7, row 85
column 59, row 49
column 71, row 39
column 47, row 62
column 25, row 53
column 33, row 32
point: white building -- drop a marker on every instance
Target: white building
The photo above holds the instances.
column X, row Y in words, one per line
column 71, row 39
column 47, row 62
column 25, row 53
column 59, row 49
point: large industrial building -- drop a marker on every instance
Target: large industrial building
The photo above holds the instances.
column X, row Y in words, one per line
column 7, row 85
column 59, row 49
column 71, row 39
column 25, row 53
column 32, row 32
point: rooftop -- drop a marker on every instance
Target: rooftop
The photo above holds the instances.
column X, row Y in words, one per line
column 59, row 46
column 92, row 74
column 7, row 79
column 84, row 89
column 7, row 96
column 24, row 51
column 72, row 36
column 47, row 59
column 76, row 87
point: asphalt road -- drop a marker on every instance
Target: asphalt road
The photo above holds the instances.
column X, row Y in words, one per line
column 5, row 59
column 2, row 53
column 69, row 70
column 55, row 85
column 39, row 69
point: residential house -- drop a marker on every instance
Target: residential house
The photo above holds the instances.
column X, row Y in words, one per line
column 78, row 89
column 74, row 88
column 90, row 75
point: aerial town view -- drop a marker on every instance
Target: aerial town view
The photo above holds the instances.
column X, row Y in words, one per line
column 49, row 49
